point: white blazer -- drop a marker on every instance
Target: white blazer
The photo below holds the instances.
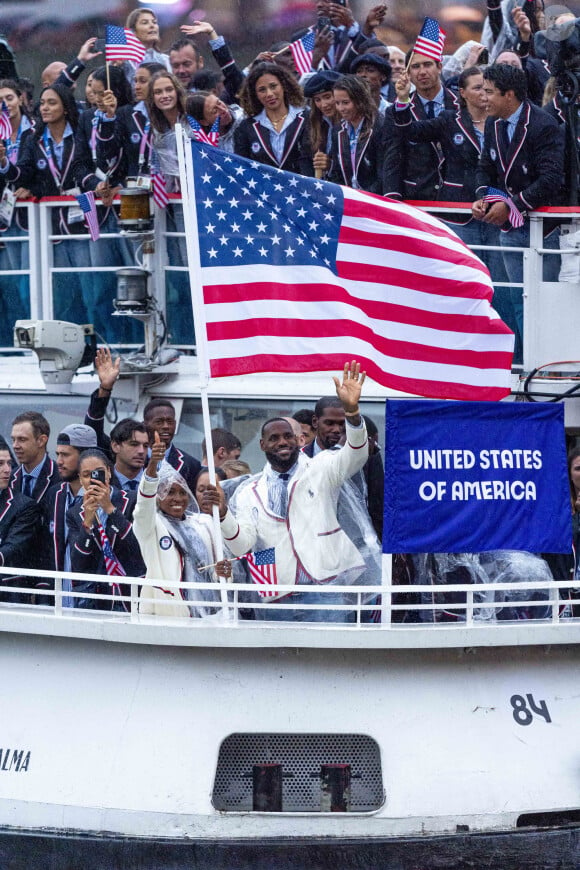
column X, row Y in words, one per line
column 161, row 555
column 310, row 536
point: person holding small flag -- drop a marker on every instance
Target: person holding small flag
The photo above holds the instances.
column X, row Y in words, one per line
column 521, row 168
column 141, row 41
column 416, row 172
column 286, row 516
column 216, row 121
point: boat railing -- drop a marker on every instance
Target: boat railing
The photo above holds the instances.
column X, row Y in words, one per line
column 47, row 287
column 366, row 607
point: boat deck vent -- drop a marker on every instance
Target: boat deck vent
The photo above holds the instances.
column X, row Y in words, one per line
column 298, row 759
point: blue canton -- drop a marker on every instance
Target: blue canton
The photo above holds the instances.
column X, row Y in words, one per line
column 249, row 213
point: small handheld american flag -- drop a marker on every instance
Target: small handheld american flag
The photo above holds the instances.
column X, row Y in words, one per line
column 302, row 52
column 431, row 40
column 211, row 138
column 87, row 204
column 112, row 565
column 122, row 44
column 495, row 195
column 262, row 567
column 158, row 184
column 5, row 125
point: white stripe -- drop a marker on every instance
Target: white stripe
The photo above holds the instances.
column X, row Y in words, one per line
column 332, row 311
column 356, row 349
column 415, row 265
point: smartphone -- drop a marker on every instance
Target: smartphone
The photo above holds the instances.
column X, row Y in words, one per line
column 339, row 2
column 323, row 21
column 98, row 474
column 100, row 45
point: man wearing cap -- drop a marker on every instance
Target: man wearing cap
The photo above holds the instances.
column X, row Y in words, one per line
column 376, row 71
column 70, row 444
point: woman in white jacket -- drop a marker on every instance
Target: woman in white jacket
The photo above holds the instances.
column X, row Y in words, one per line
column 176, row 543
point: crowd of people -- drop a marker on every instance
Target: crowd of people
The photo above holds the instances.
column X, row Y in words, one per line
column 356, row 111
column 130, row 510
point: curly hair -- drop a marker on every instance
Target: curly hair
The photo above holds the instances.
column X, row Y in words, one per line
column 116, row 80
column 158, row 120
column 293, row 94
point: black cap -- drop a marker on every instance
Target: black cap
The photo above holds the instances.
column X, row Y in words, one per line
column 373, row 60
column 324, row 80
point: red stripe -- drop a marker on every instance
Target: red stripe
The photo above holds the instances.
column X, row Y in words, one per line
column 239, row 294
column 411, row 281
column 431, row 389
column 349, row 330
column 411, row 245
column 384, row 214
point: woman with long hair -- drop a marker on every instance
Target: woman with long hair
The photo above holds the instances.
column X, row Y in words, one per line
column 15, row 303
column 210, row 112
column 356, row 146
column 323, row 118
column 275, row 129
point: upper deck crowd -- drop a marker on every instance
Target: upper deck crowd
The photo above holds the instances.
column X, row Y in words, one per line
column 333, row 101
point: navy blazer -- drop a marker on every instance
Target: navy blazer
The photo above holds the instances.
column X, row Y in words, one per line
column 461, row 149
column 19, row 528
column 48, row 477
column 87, row 554
column 413, row 170
column 110, row 161
column 531, row 170
column 368, row 158
column 252, row 140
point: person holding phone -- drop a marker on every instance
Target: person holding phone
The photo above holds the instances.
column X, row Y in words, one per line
column 101, row 535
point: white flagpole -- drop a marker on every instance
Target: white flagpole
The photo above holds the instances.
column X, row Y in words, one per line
column 196, row 286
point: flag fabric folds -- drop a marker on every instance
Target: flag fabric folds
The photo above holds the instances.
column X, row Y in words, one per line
column 89, row 208
column 122, row 44
column 262, row 568
column 210, row 138
column 302, row 52
column 494, row 195
column 5, row 125
column 299, row 274
column 431, row 40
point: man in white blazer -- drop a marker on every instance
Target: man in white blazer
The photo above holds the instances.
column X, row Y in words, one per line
column 291, row 507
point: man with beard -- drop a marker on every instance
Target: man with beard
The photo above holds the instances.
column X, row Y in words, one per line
column 291, row 509
column 70, row 444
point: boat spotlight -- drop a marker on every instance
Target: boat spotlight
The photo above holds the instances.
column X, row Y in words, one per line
column 132, row 293
column 61, row 347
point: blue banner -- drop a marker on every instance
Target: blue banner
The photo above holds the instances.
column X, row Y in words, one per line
column 465, row 477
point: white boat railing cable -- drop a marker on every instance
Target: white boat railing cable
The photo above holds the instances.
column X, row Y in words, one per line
column 359, row 601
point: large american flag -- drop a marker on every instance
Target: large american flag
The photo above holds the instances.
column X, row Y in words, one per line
column 431, row 40
column 122, row 44
column 302, row 52
column 299, row 274
column 87, row 204
column 5, row 124
column 262, row 567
